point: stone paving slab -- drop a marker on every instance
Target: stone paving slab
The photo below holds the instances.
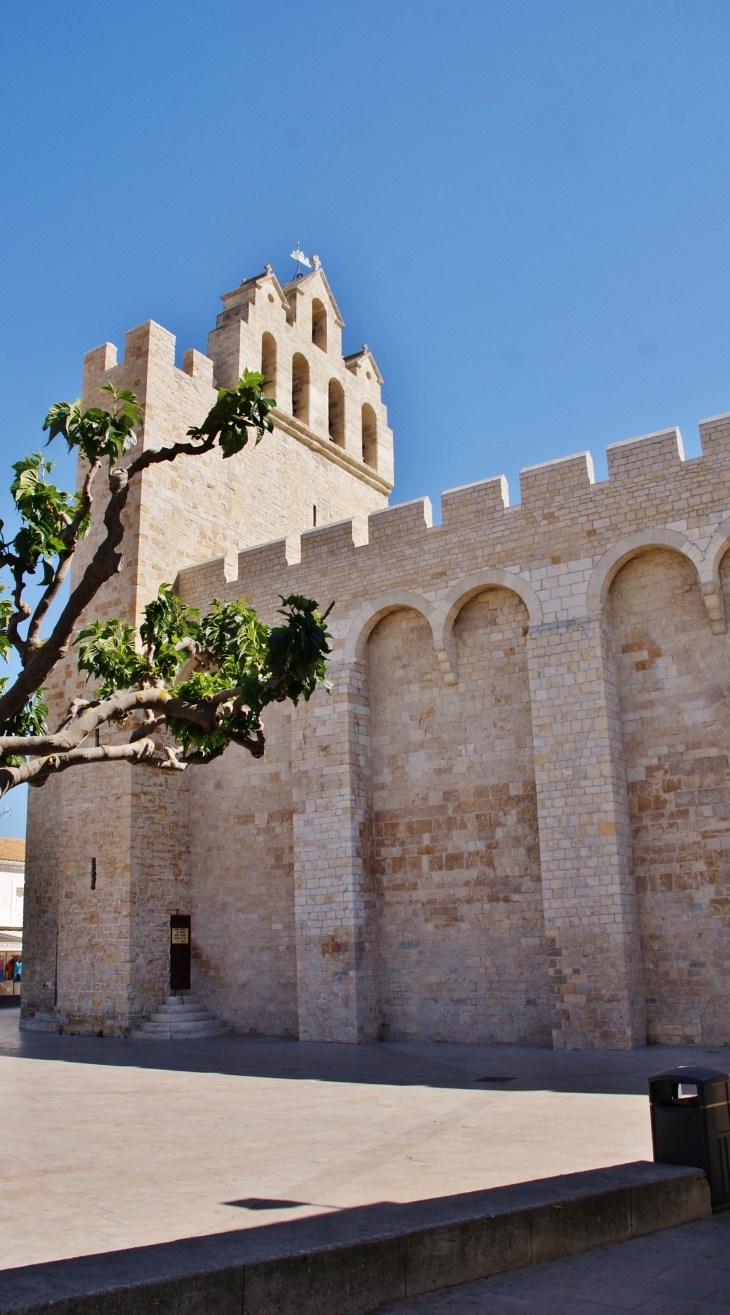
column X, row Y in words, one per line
column 680, row 1271
column 118, row 1144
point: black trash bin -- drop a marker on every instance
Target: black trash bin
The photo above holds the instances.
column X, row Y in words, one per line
column 690, row 1124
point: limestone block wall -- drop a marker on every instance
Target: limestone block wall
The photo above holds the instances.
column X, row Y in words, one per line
column 461, row 946
column 244, row 933
column 493, row 838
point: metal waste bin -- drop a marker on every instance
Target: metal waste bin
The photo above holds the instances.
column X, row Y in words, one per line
column 690, row 1124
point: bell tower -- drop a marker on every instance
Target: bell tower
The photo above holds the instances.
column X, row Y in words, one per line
column 96, row 952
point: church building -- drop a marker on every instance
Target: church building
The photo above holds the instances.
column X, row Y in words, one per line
column 509, row 819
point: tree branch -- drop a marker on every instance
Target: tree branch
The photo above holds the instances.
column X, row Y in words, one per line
column 153, row 456
column 38, row 770
column 69, row 535
column 22, row 610
column 73, row 731
column 105, row 563
column 256, row 747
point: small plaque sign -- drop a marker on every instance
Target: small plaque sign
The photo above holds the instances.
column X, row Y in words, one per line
column 180, row 935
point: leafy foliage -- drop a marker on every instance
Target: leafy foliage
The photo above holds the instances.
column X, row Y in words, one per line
column 6, row 611
column 236, row 411
column 298, row 649
column 46, row 512
column 167, row 621
column 239, row 654
column 30, row 720
column 96, row 432
column 228, row 664
column 107, row 651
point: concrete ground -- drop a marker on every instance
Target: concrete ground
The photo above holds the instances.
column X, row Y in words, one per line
column 682, row 1271
column 115, row 1143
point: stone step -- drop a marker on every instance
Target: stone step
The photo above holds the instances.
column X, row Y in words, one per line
column 179, row 1010
column 187, row 1023
column 180, row 1017
column 156, row 1032
column 174, row 1017
column 175, row 1024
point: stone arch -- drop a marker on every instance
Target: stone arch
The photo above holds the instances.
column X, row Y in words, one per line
column 300, row 388
column 319, row 324
column 446, row 612
column 633, row 545
column 336, row 412
column 372, row 612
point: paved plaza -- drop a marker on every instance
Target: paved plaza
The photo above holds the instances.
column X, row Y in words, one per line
column 115, row 1143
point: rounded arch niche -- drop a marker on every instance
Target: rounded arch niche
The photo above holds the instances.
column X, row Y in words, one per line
column 300, row 388
column 454, row 823
column 448, row 609
column 634, row 545
column 674, row 714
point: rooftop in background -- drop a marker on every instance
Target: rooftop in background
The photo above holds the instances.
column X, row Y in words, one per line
column 12, row 849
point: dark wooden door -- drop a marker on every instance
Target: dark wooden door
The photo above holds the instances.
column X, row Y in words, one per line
column 180, row 952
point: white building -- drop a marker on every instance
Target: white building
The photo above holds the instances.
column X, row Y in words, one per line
column 12, row 886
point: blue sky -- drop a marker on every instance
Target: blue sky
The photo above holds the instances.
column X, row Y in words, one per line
column 521, row 207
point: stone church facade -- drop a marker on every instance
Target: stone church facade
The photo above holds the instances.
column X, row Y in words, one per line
column 508, row 821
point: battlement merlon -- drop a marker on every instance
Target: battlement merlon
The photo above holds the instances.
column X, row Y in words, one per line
column 148, row 369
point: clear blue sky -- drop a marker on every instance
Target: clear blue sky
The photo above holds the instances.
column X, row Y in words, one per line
column 522, row 207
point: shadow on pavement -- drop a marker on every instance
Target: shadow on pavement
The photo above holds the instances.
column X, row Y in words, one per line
column 390, row 1063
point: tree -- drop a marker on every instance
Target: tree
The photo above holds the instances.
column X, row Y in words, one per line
column 198, row 683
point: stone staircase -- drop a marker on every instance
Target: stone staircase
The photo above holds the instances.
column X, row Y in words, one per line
column 180, row 1017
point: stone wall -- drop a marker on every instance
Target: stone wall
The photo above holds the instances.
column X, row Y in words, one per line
column 461, row 945
column 242, row 853
column 472, row 858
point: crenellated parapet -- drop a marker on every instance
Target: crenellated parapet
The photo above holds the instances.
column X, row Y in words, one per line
column 563, row 543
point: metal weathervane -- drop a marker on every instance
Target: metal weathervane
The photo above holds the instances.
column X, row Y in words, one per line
column 298, row 255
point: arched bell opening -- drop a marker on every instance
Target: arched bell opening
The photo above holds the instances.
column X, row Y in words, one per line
column 300, row 388
column 268, row 363
column 336, row 412
column 319, row 325
column 369, row 436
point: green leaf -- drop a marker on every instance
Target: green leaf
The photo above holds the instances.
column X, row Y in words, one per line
column 97, row 432
column 237, row 411
column 107, row 651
